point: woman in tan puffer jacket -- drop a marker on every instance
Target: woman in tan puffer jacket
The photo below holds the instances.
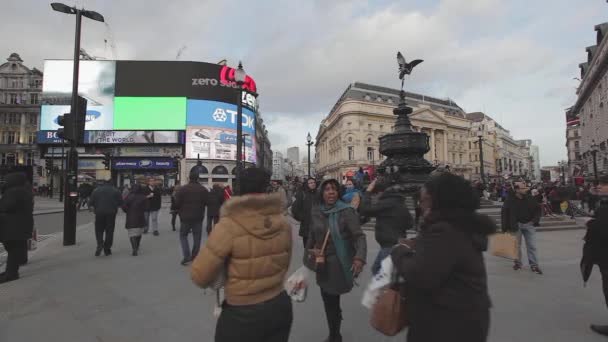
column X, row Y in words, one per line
column 253, row 241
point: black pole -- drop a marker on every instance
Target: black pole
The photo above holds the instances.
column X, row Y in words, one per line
column 597, row 181
column 69, row 205
column 62, row 174
column 483, row 178
column 52, row 183
column 239, row 140
column 309, row 159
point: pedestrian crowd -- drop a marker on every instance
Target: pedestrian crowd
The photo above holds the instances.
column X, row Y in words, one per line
column 439, row 269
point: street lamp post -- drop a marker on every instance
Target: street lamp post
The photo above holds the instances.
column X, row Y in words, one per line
column 309, row 143
column 239, row 77
column 562, row 171
column 594, row 150
column 71, row 200
column 481, row 171
column 373, row 164
column 245, row 135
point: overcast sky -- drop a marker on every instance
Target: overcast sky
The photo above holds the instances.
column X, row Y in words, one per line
column 515, row 60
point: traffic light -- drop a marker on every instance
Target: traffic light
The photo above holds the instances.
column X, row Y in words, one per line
column 107, row 160
column 39, row 170
column 48, row 163
column 73, row 123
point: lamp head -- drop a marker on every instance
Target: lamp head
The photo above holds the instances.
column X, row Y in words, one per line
column 239, row 74
column 308, row 138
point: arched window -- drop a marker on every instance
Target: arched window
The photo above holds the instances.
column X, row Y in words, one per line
column 219, row 174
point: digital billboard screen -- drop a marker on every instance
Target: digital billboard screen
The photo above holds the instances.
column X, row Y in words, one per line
column 211, row 131
column 194, row 80
column 96, row 83
column 150, row 113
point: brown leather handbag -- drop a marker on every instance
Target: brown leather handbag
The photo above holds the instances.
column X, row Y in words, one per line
column 318, row 255
column 388, row 313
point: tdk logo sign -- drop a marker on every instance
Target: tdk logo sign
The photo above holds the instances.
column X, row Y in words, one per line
column 221, row 115
column 91, row 115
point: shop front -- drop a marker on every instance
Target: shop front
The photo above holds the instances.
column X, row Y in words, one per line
column 137, row 170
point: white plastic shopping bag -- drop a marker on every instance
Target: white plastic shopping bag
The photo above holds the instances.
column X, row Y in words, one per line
column 379, row 281
column 297, row 284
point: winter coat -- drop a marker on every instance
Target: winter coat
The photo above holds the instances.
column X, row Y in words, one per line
column 253, row 241
column 596, row 238
column 215, row 201
column 393, row 218
column 332, row 279
column 190, row 202
column 135, row 206
column 16, row 209
column 302, row 207
column 519, row 210
column 106, row 200
column 154, row 202
column 446, row 283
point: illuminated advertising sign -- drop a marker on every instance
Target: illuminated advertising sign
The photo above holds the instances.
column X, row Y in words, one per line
column 150, row 163
column 218, row 114
column 116, row 137
column 150, row 113
column 217, row 143
column 194, row 80
column 96, row 83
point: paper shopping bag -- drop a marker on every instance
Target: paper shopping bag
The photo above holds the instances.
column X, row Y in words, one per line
column 503, row 245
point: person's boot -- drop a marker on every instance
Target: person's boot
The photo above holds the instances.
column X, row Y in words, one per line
column 517, row 265
column 138, row 242
column 334, row 330
column 98, row 250
column 133, row 241
column 600, row 329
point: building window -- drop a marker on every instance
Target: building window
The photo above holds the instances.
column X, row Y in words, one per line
column 460, row 158
column 370, row 153
column 8, row 159
column 350, row 139
column 9, row 138
column 469, row 145
column 29, row 158
column 12, row 98
column 576, row 144
column 476, row 169
column 13, row 119
column 31, row 138
column 33, row 119
column 369, row 126
column 34, row 98
column 381, row 127
column 577, row 155
column 351, row 152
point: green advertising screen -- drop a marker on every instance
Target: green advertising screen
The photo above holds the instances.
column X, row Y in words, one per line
column 150, row 113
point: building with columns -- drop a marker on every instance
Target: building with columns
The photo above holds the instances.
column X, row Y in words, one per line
column 348, row 136
column 20, row 89
column 591, row 109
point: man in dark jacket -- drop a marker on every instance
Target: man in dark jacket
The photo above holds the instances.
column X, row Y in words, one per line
column 154, row 203
column 393, row 218
column 84, row 192
column 521, row 215
column 105, row 200
column 214, row 203
column 190, row 202
column 596, row 241
column 305, row 200
column 16, row 222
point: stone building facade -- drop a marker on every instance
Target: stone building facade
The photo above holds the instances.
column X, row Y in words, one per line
column 20, row 94
column 348, row 137
column 591, row 106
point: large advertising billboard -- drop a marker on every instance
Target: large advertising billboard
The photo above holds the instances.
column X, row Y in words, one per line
column 150, row 113
column 96, row 83
column 116, row 137
column 211, row 131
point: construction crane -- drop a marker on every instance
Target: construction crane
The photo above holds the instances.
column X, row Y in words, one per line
column 179, row 52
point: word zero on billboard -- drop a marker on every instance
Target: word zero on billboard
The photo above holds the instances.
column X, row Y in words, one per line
column 220, row 115
column 246, row 98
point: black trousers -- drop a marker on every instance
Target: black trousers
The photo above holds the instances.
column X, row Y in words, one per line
column 173, row 218
column 17, row 252
column 269, row 321
column 104, row 224
column 604, row 272
column 211, row 221
column 333, row 312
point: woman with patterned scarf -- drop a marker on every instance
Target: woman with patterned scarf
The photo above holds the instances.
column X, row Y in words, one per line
column 337, row 240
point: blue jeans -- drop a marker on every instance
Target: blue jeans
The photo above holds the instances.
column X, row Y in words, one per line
column 197, row 234
column 382, row 254
column 151, row 220
column 528, row 231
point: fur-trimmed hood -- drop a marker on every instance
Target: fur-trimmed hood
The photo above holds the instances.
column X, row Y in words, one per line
column 259, row 214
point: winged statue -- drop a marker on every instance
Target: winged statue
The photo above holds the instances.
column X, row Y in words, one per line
column 406, row 68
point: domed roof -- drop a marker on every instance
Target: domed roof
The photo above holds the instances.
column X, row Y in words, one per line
column 14, row 57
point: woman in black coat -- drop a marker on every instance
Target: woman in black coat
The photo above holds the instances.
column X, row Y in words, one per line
column 306, row 198
column 214, row 203
column 446, row 281
column 135, row 205
column 16, row 222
